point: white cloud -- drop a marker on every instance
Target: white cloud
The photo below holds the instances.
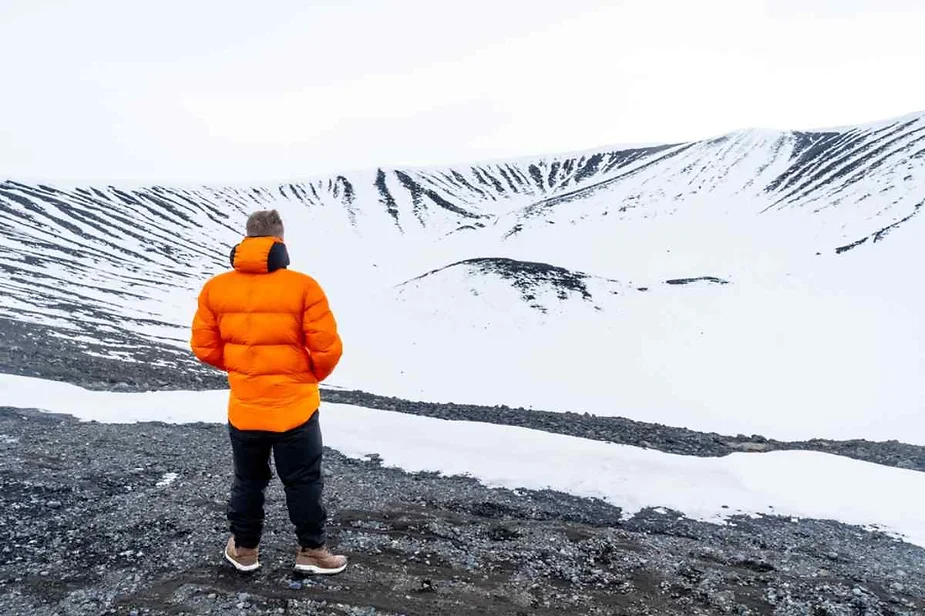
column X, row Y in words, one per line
column 233, row 90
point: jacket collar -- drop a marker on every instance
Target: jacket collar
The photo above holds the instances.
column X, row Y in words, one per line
column 260, row 255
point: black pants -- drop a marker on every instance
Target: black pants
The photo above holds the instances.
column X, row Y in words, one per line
column 297, row 455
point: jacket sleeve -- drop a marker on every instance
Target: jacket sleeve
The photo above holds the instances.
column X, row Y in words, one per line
column 321, row 336
column 206, row 340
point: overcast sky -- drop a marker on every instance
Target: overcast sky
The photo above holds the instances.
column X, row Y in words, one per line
column 239, row 91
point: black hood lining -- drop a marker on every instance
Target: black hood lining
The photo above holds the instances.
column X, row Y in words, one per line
column 277, row 258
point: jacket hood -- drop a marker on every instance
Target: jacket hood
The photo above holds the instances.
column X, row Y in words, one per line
column 259, row 255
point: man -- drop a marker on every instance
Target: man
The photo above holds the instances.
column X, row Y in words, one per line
column 272, row 331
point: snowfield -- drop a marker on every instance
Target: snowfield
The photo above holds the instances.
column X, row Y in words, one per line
column 752, row 283
column 791, row 484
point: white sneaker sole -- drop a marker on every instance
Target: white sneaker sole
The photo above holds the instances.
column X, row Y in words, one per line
column 318, row 570
column 238, row 565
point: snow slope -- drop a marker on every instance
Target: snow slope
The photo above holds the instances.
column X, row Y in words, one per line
column 794, row 483
column 754, row 282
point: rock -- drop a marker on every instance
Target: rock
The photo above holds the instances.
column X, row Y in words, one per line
column 751, row 447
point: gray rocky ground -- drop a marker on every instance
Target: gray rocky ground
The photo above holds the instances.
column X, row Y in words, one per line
column 85, row 528
column 90, row 523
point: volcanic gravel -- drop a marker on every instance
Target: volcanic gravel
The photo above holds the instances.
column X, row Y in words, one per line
column 129, row 519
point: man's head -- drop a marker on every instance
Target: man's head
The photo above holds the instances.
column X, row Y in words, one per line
column 265, row 223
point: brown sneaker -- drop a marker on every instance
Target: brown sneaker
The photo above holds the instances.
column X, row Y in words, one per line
column 319, row 561
column 243, row 559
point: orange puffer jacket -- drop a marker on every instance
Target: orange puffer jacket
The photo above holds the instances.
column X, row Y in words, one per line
column 272, row 331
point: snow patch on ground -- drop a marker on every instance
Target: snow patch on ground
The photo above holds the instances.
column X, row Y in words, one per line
column 166, row 480
column 795, row 484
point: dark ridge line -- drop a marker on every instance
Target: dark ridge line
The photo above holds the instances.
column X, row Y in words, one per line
column 537, row 176
column 123, row 196
column 157, row 233
column 553, row 171
column 511, row 263
column 804, row 140
column 116, row 272
column 439, row 181
column 535, row 208
column 838, row 163
column 625, row 157
column 499, row 188
column 349, row 196
column 417, row 204
column 385, row 198
column 450, row 182
column 462, row 228
column 881, row 148
column 94, row 221
column 811, row 159
column 680, row 281
column 778, row 145
column 462, row 179
column 744, row 152
column 30, row 279
column 232, row 197
column 295, row 192
column 709, row 170
column 82, row 196
column 482, row 180
column 204, row 205
column 854, row 177
column 882, row 233
column 41, row 212
column 90, row 217
column 256, row 196
column 589, row 168
column 305, row 196
column 416, row 189
column 524, row 276
column 82, row 251
column 518, row 175
column 513, row 231
column 318, row 199
column 850, row 246
column 859, row 175
column 508, row 179
column 178, row 205
column 75, row 214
